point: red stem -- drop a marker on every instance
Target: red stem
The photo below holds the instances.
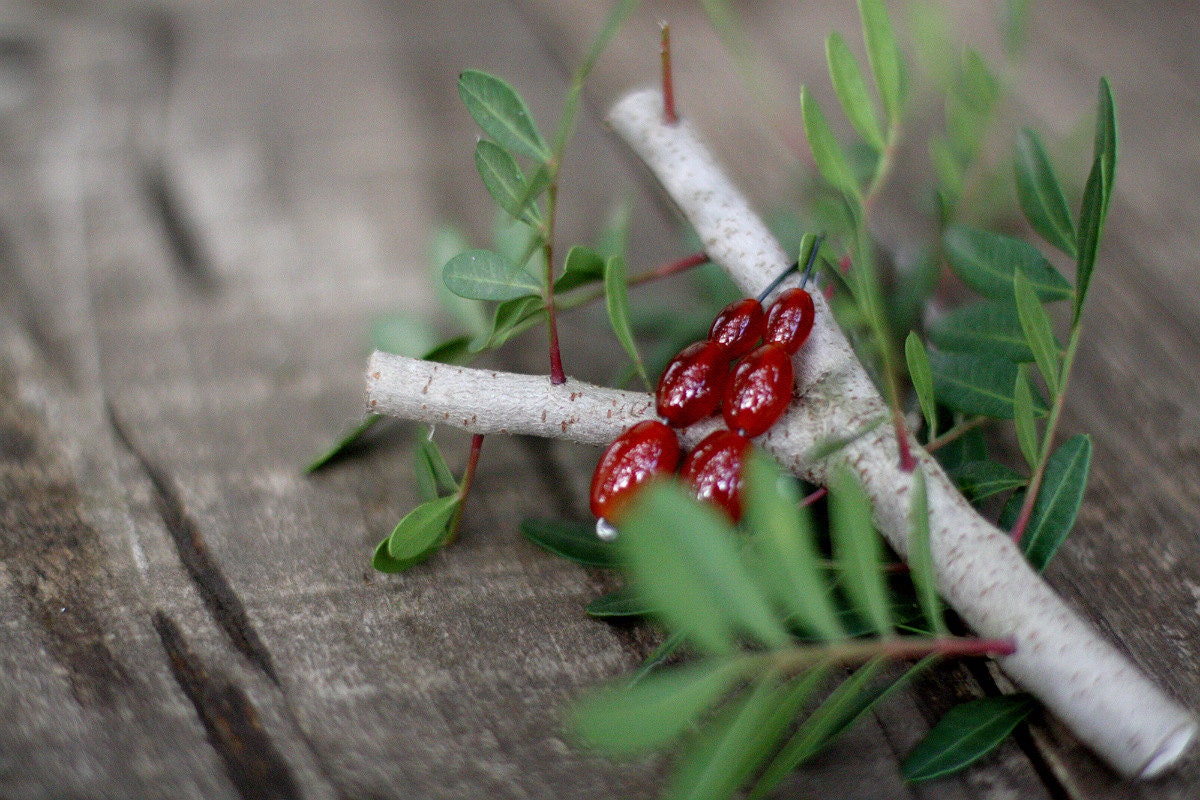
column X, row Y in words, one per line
column 814, row 497
column 465, row 487
column 907, row 462
column 671, row 268
column 557, row 376
column 668, row 84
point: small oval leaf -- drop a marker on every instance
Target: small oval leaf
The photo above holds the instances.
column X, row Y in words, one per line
column 621, row 603
column 986, row 262
column 831, row 159
column 1023, row 419
column 851, row 91
column 921, row 375
column 975, row 385
column 966, row 734
column 1041, row 195
column 583, row 265
column 858, row 551
column 1039, row 335
column 575, row 541
column 884, row 56
column 1058, row 500
column 501, row 113
column 980, row 480
column 920, row 555
column 988, row 328
column 505, row 182
column 616, row 297
column 484, row 275
column 422, row 529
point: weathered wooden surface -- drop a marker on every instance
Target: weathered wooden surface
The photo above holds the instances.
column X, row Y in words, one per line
column 203, row 205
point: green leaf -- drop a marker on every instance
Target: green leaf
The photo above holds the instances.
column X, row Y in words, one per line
column 507, row 319
column 403, row 334
column 727, row 750
column 422, row 529
column 575, row 541
column 857, row 549
column 451, row 351
column 683, row 557
column 852, row 91
column 986, row 262
column 1038, row 334
column 1023, row 418
column 987, row 328
column 345, row 444
column 1041, row 195
column 1058, row 500
column 920, row 556
column 966, row 734
column 484, row 275
column 969, row 446
column 831, row 159
column 621, row 603
column 583, row 265
column 1091, row 225
column 980, row 86
column 884, row 57
column 504, row 181
column 625, row 719
column 1105, row 147
column 431, row 471
column 501, row 113
column 783, row 536
column 980, row 480
column 383, row 562
column 836, row 712
column 922, row 380
column 616, row 298
column 447, row 242
column 975, row 385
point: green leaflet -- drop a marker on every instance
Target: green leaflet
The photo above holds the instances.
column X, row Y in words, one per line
column 831, row 159
column 883, row 56
column 507, row 320
column 851, row 90
column 966, row 734
column 505, row 181
column 343, row 445
column 1040, row 194
column 921, row 375
column 1035, row 324
column 575, row 541
column 501, row 113
column 616, row 298
column 1058, row 500
column 975, row 385
column 986, row 328
column 432, row 473
column 986, row 262
column 422, row 530
column 683, row 557
column 858, row 551
column 920, row 555
column 1097, row 195
column 583, row 265
column 727, row 751
column 485, row 275
column 626, row 719
column 621, row 603
column 784, row 538
column 1023, row 419
column 980, row 480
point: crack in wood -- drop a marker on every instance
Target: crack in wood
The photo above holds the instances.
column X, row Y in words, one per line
column 55, row 559
column 219, row 598
column 254, row 763
column 182, row 237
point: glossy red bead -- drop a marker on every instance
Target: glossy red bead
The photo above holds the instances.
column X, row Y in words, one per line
column 739, row 327
column 759, row 391
column 714, row 470
column 790, row 320
column 647, row 449
column 693, row 383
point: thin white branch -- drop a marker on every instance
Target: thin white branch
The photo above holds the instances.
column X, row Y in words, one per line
column 1086, row 682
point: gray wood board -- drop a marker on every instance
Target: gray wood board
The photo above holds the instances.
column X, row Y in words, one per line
column 203, row 208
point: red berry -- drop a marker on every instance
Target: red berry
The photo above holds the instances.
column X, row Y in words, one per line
column 714, row 470
column 692, row 384
column 739, row 326
column 647, row 449
column 790, row 320
column 759, row 391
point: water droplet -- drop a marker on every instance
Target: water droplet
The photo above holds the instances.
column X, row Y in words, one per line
column 605, row 531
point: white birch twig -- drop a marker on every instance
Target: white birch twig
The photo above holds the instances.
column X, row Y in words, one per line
column 1059, row 658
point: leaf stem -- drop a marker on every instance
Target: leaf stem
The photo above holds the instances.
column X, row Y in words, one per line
column 902, row 648
column 1035, row 481
column 464, row 487
column 957, row 431
column 671, row 268
column 668, row 84
column 557, row 375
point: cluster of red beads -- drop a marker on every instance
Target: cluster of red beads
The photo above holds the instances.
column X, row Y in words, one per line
column 752, row 396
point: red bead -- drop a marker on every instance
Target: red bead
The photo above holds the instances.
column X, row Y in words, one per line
column 790, row 320
column 759, row 391
column 739, row 326
column 647, row 449
column 714, row 470
column 692, row 384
